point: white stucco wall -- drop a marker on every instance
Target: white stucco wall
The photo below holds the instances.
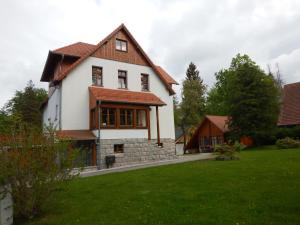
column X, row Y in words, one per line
column 122, row 133
column 52, row 109
column 75, row 96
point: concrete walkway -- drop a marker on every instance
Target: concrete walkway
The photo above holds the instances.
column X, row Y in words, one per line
column 181, row 159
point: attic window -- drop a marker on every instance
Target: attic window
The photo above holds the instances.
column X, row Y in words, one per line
column 121, row 45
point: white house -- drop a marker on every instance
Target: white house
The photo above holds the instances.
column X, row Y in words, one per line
column 116, row 80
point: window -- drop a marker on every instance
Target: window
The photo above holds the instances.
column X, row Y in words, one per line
column 119, row 148
column 121, row 45
column 97, row 76
column 108, row 117
column 214, row 140
column 145, row 82
column 122, row 79
column 141, row 118
column 120, row 117
column 126, row 117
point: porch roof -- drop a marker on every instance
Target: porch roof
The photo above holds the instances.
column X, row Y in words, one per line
column 123, row 96
column 78, row 135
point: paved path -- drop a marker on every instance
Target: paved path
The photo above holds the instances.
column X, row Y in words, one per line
column 181, row 159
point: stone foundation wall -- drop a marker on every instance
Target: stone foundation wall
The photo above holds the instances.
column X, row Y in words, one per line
column 137, row 151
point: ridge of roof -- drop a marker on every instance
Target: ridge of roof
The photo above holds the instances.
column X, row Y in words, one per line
column 76, row 49
column 94, row 49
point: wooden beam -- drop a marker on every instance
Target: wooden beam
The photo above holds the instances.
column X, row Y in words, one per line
column 148, row 123
column 157, row 126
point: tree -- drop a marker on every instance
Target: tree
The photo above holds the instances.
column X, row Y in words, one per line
column 253, row 100
column 217, row 96
column 33, row 165
column 26, row 105
column 192, row 107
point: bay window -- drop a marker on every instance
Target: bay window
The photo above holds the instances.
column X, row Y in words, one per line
column 120, row 117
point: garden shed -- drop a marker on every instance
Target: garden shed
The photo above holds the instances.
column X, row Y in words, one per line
column 211, row 131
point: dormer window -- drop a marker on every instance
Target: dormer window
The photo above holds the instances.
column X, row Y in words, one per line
column 97, row 76
column 121, row 45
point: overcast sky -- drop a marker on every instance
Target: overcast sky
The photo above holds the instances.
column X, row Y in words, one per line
column 172, row 32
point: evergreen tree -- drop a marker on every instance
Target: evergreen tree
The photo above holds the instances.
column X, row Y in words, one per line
column 192, row 107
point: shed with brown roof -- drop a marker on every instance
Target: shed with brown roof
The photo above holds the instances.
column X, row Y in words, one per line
column 209, row 133
column 290, row 108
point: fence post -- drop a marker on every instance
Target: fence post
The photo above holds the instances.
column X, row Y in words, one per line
column 6, row 208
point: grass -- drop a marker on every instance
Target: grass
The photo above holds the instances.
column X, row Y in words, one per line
column 261, row 188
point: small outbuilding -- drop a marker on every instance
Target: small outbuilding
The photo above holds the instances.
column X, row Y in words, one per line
column 210, row 132
column 290, row 107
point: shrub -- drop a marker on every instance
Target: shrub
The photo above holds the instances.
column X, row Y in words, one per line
column 287, row 143
column 228, row 152
column 33, row 165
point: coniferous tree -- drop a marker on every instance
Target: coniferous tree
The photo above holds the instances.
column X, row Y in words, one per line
column 192, row 107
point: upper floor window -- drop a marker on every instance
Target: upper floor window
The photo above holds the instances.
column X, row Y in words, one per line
column 122, row 79
column 145, row 82
column 97, row 76
column 121, row 45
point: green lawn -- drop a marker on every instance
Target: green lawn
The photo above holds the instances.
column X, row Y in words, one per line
column 261, row 188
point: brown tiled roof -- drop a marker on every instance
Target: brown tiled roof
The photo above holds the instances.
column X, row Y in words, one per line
column 290, row 108
column 166, row 76
column 220, row 121
column 84, row 50
column 76, row 134
column 77, row 49
column 125, row 96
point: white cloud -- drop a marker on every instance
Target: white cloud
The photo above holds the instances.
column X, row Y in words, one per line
column 173, row 32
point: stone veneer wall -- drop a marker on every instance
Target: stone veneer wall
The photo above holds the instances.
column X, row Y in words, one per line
column 137, row 150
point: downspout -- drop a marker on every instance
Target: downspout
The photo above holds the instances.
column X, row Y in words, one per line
column 98, row 139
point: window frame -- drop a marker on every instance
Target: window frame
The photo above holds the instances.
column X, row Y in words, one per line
column 108, row 117
column 148, row 83
column 126, row 125
column 121, row 41
column 119, row 147
column 101, row 80
column 125, row 77
column 94, row 120
column 136, row 118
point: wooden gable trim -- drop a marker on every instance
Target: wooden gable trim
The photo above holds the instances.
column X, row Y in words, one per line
column 104, row 41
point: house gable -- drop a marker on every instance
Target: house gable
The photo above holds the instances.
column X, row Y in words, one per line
column 133, row 55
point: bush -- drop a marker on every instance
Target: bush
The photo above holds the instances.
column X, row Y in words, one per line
column 292, row 132
column 287, row 143
column 228, row 152
column 33, row 165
